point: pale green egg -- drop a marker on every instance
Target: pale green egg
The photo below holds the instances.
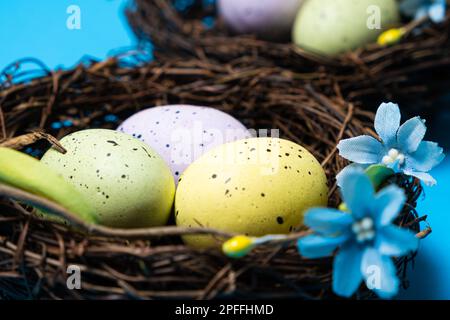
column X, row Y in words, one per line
column 123, row 179
column 253, row 187
column 332, row 27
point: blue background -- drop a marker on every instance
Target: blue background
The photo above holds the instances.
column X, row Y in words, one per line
column 38, row 29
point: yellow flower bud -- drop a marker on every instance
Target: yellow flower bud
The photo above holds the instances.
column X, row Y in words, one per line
column 238, row 246
column 390, row 37
column 343, row 207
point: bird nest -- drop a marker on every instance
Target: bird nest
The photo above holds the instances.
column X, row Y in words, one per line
column 411, row 72
column 38, row 107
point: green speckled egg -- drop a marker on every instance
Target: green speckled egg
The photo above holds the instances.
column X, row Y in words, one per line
column 253, row 186
column 332, row 27
column 127, row 183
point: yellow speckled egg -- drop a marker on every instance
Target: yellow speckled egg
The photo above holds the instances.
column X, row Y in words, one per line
column 254, row 186
column 333, row 27
column 127, row 183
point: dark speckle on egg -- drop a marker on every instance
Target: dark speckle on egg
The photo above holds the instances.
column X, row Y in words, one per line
column 148, row 154
column 114, row 143
column 280, row 220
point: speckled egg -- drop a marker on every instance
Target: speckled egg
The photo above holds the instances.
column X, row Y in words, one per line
column 269, row 19
column 254, row 186
column 127, row 182
column 182, row 133
column 333, row 27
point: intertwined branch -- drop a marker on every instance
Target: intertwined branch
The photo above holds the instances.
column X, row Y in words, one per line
column 411, row 72
column 154, row 263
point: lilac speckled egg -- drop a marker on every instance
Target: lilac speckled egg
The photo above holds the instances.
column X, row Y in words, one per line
column 269, row 19
column 182, row 133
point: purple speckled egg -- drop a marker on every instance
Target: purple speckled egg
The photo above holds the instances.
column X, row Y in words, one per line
column 182, row 133
column 269, row 19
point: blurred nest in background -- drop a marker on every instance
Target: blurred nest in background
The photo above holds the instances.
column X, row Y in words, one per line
column 115, row 263
column 413, row 72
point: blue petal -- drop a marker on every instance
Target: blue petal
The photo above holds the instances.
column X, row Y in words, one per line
column 387, row 122
column 422, row 176
column 357, row 192
column 394, row 241
column 347, row 270
column 427, row 156
column 328, row 221
column 388, row 204
column 437, row 12
column 315, row 246
column 380, row 273
column 422, row 12
column 350, row 167
column 410, row 134
column 362, row 149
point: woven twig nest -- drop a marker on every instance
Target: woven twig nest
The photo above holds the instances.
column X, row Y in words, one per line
column 411, row 72
column 154, row 263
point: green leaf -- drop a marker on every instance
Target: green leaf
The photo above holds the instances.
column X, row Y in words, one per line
column 378, row 174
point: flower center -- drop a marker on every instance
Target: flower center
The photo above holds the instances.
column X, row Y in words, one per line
column 394, row 156
column 364, row 229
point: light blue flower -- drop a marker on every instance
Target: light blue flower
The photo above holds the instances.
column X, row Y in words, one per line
column 418, row 9
column 401, row 148
column 366, row 237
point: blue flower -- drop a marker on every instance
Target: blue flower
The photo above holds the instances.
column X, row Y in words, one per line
column 366, row 237
column 418, row 9
column 401, row 148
